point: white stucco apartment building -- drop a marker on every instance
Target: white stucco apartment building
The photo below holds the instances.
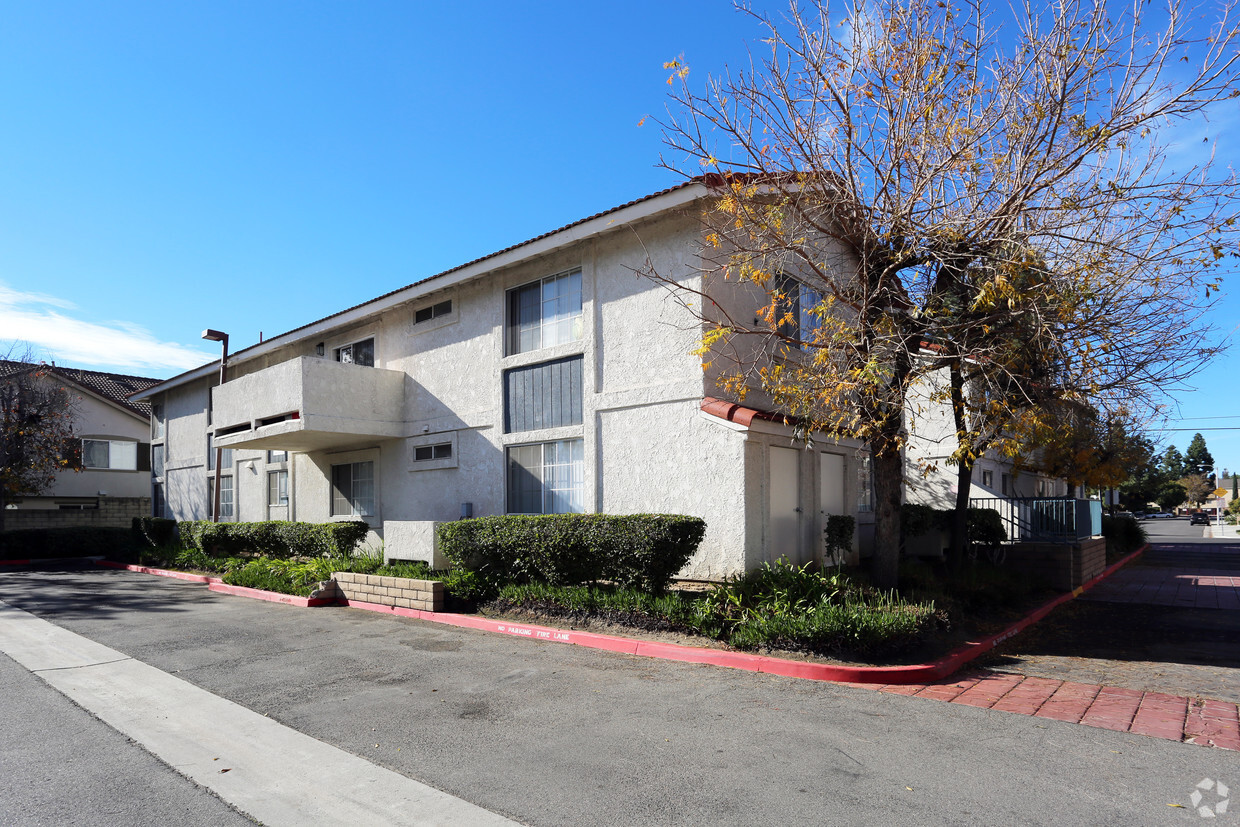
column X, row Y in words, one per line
column 547, row 377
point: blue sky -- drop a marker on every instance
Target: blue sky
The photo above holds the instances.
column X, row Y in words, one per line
column 167, row 167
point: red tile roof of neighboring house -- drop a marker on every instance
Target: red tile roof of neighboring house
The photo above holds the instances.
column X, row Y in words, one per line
column 115, row 387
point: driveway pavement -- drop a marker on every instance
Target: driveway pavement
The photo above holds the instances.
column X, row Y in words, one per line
column 543, row 733
column 1167, row 623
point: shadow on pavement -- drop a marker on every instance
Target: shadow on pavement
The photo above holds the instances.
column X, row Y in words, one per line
column 72, row 591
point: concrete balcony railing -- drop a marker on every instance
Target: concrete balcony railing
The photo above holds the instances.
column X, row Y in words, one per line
column 309, row 404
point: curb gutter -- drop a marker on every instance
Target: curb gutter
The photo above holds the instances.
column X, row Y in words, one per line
column 888, row 675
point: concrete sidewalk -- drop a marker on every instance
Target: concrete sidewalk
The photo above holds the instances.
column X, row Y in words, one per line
column 271, row 772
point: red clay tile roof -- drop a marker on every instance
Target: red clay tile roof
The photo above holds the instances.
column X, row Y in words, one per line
column 115, row 387
column 738, row 413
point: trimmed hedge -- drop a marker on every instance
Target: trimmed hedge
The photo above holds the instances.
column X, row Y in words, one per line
column 278, row 539
column 985, row 525
column 157, row 532
column 639, row 550
column 70, row 541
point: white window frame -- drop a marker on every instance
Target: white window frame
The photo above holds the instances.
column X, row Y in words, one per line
column 281, row 487
column 115, row 449
column 575, row 320
column 228, row 504
column 352, row 498
column 551, row 497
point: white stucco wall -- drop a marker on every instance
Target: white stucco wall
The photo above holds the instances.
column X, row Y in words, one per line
column 97, row 419
column 648, row 447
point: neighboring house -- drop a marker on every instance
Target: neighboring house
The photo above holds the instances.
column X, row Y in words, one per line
column 548, row 377
column 114, row 434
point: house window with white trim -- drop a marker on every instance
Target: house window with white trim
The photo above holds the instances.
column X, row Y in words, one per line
column 353, row 489
column 109, row 455
column 226, row 496
column 988, row 479
column 547, row 478
column 545, row 313
column 277, row 488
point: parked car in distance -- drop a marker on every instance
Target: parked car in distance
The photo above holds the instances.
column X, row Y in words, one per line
column 1126, row 514
column 1199, row 518
column 1160, row 515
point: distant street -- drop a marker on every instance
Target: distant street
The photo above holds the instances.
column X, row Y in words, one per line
column 551, row 734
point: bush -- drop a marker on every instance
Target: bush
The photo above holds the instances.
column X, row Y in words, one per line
column 640, row 550
column 276, row 539
column 1123, row 534
column 284, row 576
column 985, row 527
column 69, row 541
column 155, row 532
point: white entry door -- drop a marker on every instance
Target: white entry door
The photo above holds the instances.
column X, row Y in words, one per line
column 784, row 490
column 830, row 491
column 830, row 484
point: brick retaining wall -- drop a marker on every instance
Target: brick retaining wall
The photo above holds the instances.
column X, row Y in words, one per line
column 113, row 512
column 1061, row 566
column 387, row 591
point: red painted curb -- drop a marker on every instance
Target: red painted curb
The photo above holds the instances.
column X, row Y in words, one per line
column 179, row 575
column 882, row 675
column 270, row 597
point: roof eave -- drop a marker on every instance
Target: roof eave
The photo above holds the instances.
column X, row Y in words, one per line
column 648, row 207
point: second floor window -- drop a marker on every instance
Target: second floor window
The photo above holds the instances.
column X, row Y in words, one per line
column 109, row 454
column 545, row 313
column 358, row 353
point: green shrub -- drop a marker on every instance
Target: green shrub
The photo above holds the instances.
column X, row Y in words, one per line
column 985, row 527
column 916, row 520
column 838, row 535
column 1123, row 534
column 640, row 550
column 69, row 541
column 277, row 539
column 284, row 576
column 155, row 531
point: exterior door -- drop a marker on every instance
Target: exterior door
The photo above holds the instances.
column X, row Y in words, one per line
column 830, row 490
column 785, row 512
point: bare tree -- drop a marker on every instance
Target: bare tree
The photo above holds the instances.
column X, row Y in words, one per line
column 1008, row 197
column 37, row 414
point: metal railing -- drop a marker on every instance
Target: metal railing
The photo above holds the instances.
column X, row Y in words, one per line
column 1045, row 519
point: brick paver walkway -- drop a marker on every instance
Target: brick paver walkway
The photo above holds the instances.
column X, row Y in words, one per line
column 1193, row 720
column 1193, row 588
column 1188, row 577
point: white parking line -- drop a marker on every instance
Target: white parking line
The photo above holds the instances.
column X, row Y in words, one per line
column 271, row 772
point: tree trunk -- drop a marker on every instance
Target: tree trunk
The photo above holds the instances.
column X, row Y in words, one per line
column 964, row 473
column 888, row 468
column 3, row 505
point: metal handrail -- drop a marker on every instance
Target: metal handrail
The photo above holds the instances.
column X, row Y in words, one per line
column 1045, row 519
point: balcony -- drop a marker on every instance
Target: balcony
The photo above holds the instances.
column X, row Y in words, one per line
column 309, row 404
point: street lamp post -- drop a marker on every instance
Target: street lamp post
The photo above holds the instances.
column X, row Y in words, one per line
column 217, row 336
